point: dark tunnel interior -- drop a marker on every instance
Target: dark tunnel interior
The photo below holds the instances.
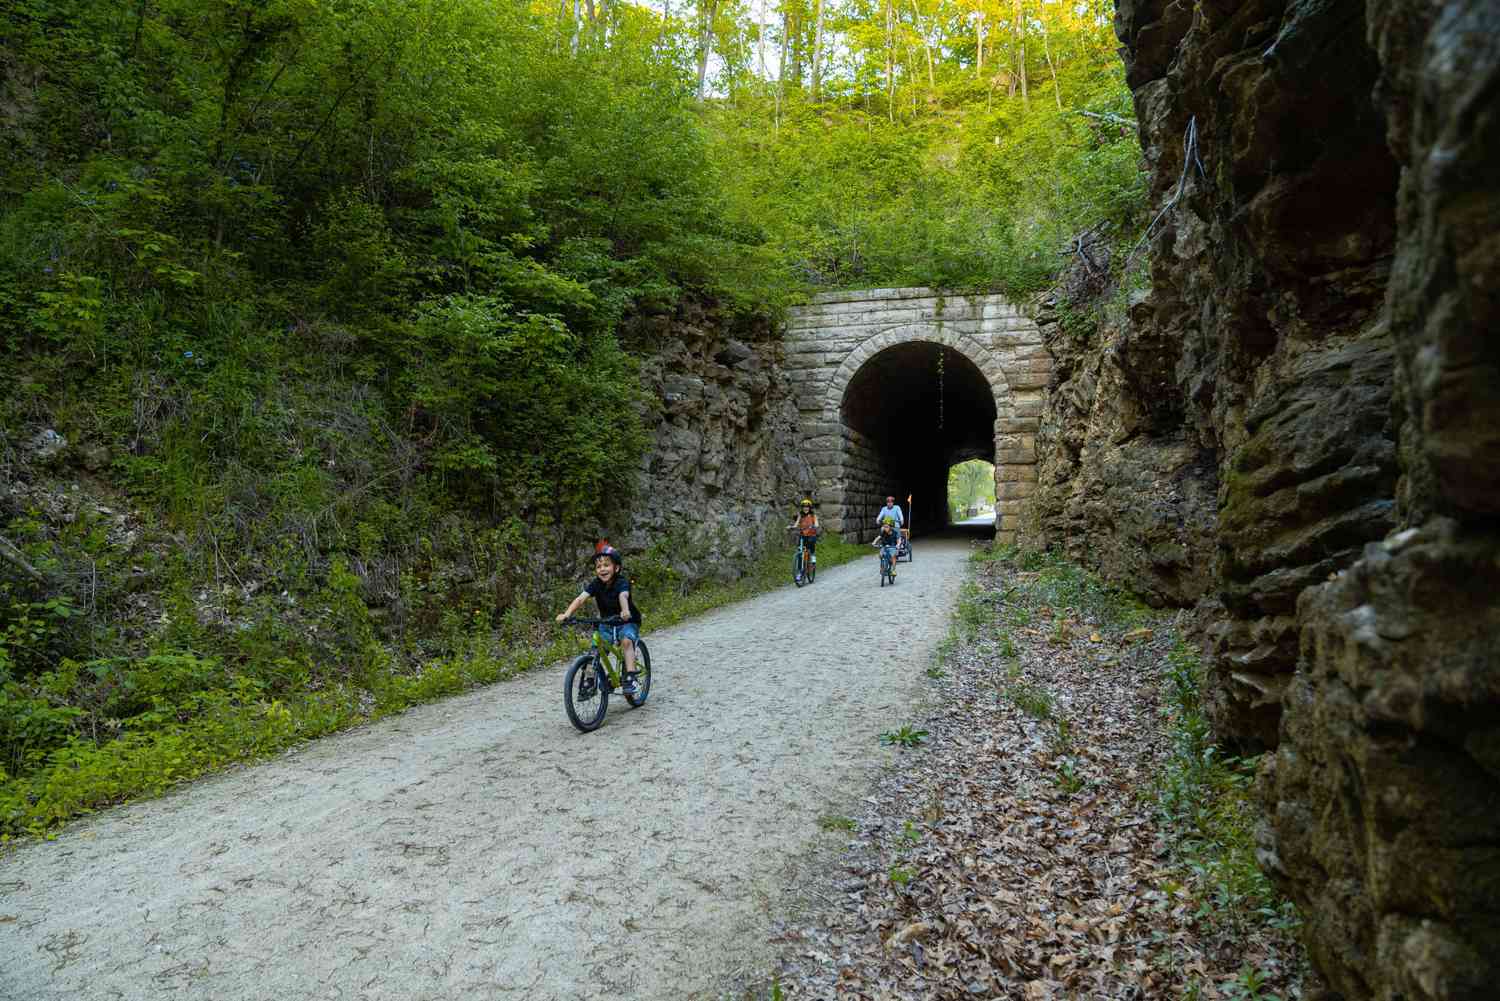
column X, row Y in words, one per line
column 920, row 419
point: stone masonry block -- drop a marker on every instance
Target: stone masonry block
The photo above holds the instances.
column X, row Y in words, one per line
column 1016, row 474
column 1014, row 490
column 1028, row 408
column 1028, row 380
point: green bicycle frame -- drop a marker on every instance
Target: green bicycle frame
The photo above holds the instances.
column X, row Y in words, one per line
column 612, row 657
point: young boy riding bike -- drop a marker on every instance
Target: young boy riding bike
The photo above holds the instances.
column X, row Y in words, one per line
column 888, row 539
column 610, row 590
column 807, row 526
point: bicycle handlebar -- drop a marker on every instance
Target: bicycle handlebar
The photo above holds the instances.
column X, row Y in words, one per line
column 613, row 620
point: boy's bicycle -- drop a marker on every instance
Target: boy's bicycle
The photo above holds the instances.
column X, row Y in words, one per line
column 595, row 674
column 804, row 570
column 887, row 564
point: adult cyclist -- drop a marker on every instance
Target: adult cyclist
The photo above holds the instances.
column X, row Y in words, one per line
column 892, row 510
column 892, row 513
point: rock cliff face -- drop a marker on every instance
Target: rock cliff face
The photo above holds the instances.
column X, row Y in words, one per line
column 1316, row 352
column 1384, row 797
column 1262, row 340
column 723, row 472
column 1122, row 486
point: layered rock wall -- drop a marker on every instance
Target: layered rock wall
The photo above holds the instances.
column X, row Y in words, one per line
column 1135, row 499
column 1315, row 353
column 1256, row 369
column 1383, row 799
column 724, row 469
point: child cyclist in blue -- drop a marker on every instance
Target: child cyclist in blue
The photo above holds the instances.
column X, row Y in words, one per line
column 610, row 590
column 889, row 540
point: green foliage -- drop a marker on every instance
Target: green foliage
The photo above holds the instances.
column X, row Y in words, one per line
column 960, row 191
column 973, row 614
column 32, row 633
column 905, row 736
column 971, row 484
column 834, row 822
column 30, row 727
column 1048, row 579
column 1203, row 796
column 1032, row 699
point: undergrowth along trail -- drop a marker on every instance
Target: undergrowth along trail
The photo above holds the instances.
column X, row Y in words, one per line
column 1065, row 829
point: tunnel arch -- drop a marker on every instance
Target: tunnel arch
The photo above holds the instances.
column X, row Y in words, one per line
column 829, row 341
column 909, row 333
column 884, row 397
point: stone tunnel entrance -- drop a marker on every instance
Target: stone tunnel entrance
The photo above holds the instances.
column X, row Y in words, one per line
column 875, row 418
column 914, row 410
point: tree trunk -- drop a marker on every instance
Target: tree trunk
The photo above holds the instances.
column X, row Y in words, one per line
column 705, row 43
column 1052, row 68
column 1021, row 41
column 916, row 20
column 795, row 26
column 890, row 60
column 784, row 50
column 979, row 47
column 817, row 57
column 760, row 40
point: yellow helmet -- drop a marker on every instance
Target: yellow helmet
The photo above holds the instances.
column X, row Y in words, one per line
column 806, row 502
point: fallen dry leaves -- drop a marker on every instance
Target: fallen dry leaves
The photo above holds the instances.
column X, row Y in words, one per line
column 1017, row 856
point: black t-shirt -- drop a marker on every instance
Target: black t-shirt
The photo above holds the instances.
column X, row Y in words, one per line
column 608, row 597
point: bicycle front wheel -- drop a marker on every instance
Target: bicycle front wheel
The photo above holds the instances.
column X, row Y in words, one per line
column 584, row 695
column 642, row 677
column 798, row 577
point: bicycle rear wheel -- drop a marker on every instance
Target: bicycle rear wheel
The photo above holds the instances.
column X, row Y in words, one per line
column 584, row 695
column 642, row 677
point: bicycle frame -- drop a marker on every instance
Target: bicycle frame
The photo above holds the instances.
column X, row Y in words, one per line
column 804, row 559
column 609, row 656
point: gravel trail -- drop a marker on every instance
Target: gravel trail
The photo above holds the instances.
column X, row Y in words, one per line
column 480, row 847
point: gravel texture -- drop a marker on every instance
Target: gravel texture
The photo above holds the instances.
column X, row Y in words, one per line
column 481, row 848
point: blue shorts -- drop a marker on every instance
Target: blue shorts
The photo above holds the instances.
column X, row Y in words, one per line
column 613, row 634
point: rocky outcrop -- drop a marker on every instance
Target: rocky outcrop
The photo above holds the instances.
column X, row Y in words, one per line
column 1383, row 798
column 1122, row 486
column 1316, row 350
column 723, row 472
column 1256, row 368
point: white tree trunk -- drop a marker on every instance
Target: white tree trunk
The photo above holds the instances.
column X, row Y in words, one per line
column 817, row 60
